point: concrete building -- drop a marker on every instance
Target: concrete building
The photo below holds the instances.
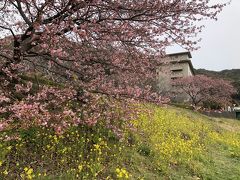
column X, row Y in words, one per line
column 179, row 64
column 174, row 66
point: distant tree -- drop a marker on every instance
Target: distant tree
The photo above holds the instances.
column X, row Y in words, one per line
column 236, row 96
column 99, row 47
column 201, row 89
column 232, row 75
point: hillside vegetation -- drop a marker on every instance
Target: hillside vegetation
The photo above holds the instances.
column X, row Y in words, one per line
column 164, row 143
column 231, row 75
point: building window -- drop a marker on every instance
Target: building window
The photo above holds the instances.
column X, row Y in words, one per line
column 177, row 70
column 174, row 78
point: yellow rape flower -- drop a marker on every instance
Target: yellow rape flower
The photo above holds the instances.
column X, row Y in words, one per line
column 97, row 146
column 5, row 172
column 80, row 167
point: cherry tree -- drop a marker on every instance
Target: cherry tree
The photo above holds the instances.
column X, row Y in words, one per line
column 201, row 89
column 97, row 47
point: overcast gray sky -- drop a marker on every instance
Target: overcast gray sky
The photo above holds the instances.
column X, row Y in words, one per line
column 220, row 45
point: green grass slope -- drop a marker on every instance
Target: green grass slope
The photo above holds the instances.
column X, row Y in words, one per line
column 164, row 143
column 175, row 143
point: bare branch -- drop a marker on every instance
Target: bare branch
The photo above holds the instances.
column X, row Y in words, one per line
column 25, row 18
column 3, row 27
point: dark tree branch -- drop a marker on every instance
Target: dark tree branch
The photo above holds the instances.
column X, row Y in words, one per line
column 19, row 8
column 3, row 27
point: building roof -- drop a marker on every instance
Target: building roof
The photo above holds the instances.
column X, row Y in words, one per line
column 181, row 53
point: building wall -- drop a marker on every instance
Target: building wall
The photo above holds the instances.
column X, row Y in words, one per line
column 180, row 70
column 176, row 66
column 178, row 57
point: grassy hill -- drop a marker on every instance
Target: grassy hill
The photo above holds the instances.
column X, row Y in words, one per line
column 233, row 74
column 187, row 145
column 164, row 143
